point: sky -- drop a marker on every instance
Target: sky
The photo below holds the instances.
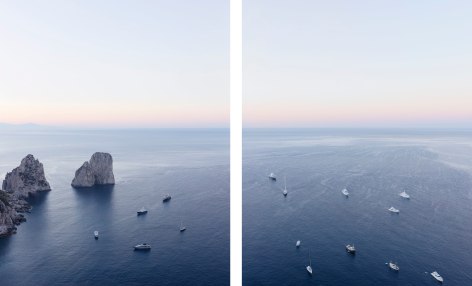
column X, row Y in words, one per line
column 114, row 63
column 309, row 63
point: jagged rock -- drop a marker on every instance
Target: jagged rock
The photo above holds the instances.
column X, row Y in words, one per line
column 9, row 213
column 97, row 171
column 22, row 181
column 26, row 179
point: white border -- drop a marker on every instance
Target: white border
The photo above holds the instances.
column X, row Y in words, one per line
column 236, row 140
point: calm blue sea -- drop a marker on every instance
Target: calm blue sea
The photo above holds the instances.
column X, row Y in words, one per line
column 56, row 245
column 433, row 231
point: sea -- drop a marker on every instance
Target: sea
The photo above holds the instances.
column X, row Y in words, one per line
column 432, row 232
column 56, row 245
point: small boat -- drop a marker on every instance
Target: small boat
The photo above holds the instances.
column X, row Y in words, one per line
column 404, row 195
column 272, row 177
column 142, row 246
column 95, row 233
column 285, row 192
column 394, row 210
column 436, row 276
column 166, row 198
column 351, row 249
column 182, row 227
column 345, row 192
column 393, row 266
column 298, row 243
column 142, row 211
column 308, row 268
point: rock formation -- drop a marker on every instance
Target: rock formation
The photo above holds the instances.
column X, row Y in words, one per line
column 22, row 181
column 10, row 213
column 97, row 171
column 26, row 179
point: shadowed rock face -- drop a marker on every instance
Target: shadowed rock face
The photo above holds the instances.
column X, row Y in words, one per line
column 97, row 171
column 22, row 181
column 10, row 213
column 26, row 179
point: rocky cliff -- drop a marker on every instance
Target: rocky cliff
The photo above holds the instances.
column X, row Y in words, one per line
column 22, row 181
column 26, row 179
column 11, row 213
column 97, row 171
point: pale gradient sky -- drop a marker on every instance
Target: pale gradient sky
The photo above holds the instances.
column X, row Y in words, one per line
column 114, row 63
column 309, row 63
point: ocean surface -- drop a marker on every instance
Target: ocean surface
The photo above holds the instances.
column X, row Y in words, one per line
column 432, row 232
column 56, row 245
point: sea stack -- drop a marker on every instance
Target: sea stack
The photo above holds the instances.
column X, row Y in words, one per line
column 97, row 171
column 22, row 181
column 26, row 179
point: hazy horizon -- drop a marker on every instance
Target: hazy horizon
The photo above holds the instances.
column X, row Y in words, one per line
column 357, row 64
column 112, row 64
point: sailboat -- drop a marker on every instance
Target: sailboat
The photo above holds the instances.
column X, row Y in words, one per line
column 285, row 192
column 298, row 243
column 182, row 227
column 95, row 233
column 345, row 192
column 308, row 268
column 272, row 177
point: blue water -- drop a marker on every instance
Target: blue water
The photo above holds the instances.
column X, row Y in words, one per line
column 432, row 232
column 56, row 245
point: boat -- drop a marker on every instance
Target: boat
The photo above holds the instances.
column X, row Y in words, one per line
column 285, row 192
column 166, row 198
column 393, row 266
column 394, row 210
column 272, row 177
column 95, row 233
column 142, row 211
column 404, row 195
column 351, row 249
column 308, row 268
column 298, row 243
column 142, row 246
column 345, row 192
column 182, row 227
column 436, row 276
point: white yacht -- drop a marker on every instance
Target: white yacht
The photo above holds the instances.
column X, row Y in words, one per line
column 298, row 243
column 404, row 195
column 95, row 233
column 351, row 249
column 272, row 177
column 393, row 266
column 437, row 276
column 394, row 210
column 345, row 192
column 142, row 211
column 285, row 192
column 308, row 268
column 142, row 246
